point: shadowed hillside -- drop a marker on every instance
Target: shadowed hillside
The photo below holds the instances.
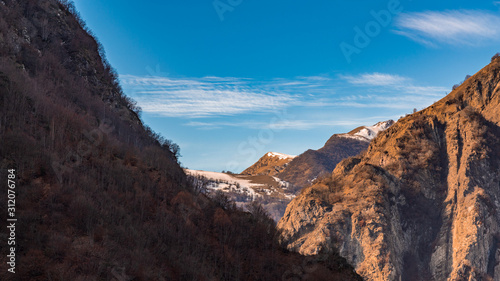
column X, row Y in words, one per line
column 99, row 195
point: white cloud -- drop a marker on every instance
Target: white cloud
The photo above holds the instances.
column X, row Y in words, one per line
column 375, row 79
column 300, row 124
column 389, row 91
column 449, row 27
column 220, row 124
column 211, row 96
column 311, row 124
column 393, row 83
column 208, row 102
column 208, row 96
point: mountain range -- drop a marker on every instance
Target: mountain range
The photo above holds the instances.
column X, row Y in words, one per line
column 313, row 164
column 276, row 178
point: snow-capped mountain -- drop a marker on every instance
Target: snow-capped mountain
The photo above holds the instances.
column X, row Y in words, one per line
column 311, row 164
column 280, row 155
column 368, row 133
column 269, row 165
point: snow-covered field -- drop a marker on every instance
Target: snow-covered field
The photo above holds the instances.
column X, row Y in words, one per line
column 271, row 192
column 223, row 178
column 234, row 183
column 228, row 183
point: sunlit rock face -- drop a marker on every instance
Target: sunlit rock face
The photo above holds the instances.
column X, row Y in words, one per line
column 421, row 203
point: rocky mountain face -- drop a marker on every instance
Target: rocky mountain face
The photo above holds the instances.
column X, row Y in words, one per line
column 312, row 164
column 422, row 202
column 269, row 165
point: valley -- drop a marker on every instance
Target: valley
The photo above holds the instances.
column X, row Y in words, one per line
column 96, row 187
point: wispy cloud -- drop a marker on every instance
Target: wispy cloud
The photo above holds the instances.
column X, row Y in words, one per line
column 375, row 79
column 393, row 83
column 299, row 124
column 221, row 96
column 212, row 97
column 204, row 97
column 305, row 124
column 454, row 27
column 389, row 91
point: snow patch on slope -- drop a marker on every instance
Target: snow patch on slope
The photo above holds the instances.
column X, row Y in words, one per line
column 225, row 182
column 348, row 136
column 280, row 155
column 222, row 177
column 368, row 133
column 242, row 191
column 372, row 131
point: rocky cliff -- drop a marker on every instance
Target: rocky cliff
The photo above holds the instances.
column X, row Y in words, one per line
column 422, row 202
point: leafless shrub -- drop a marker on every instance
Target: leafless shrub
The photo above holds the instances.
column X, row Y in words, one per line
column 497, row 55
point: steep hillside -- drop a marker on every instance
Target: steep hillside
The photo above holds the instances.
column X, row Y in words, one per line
column 312, row 164
column 98, row 195
column 421, row 203
column 269, row 165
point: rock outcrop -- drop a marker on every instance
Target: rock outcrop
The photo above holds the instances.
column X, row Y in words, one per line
column 422, row 202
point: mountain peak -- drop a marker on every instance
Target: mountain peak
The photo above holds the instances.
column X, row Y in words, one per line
column 368, row 133
column 270, row 164
column 280, row 155
column 480, row 92
column 313, row 164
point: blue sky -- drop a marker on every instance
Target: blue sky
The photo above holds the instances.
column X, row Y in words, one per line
column 229, row 80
